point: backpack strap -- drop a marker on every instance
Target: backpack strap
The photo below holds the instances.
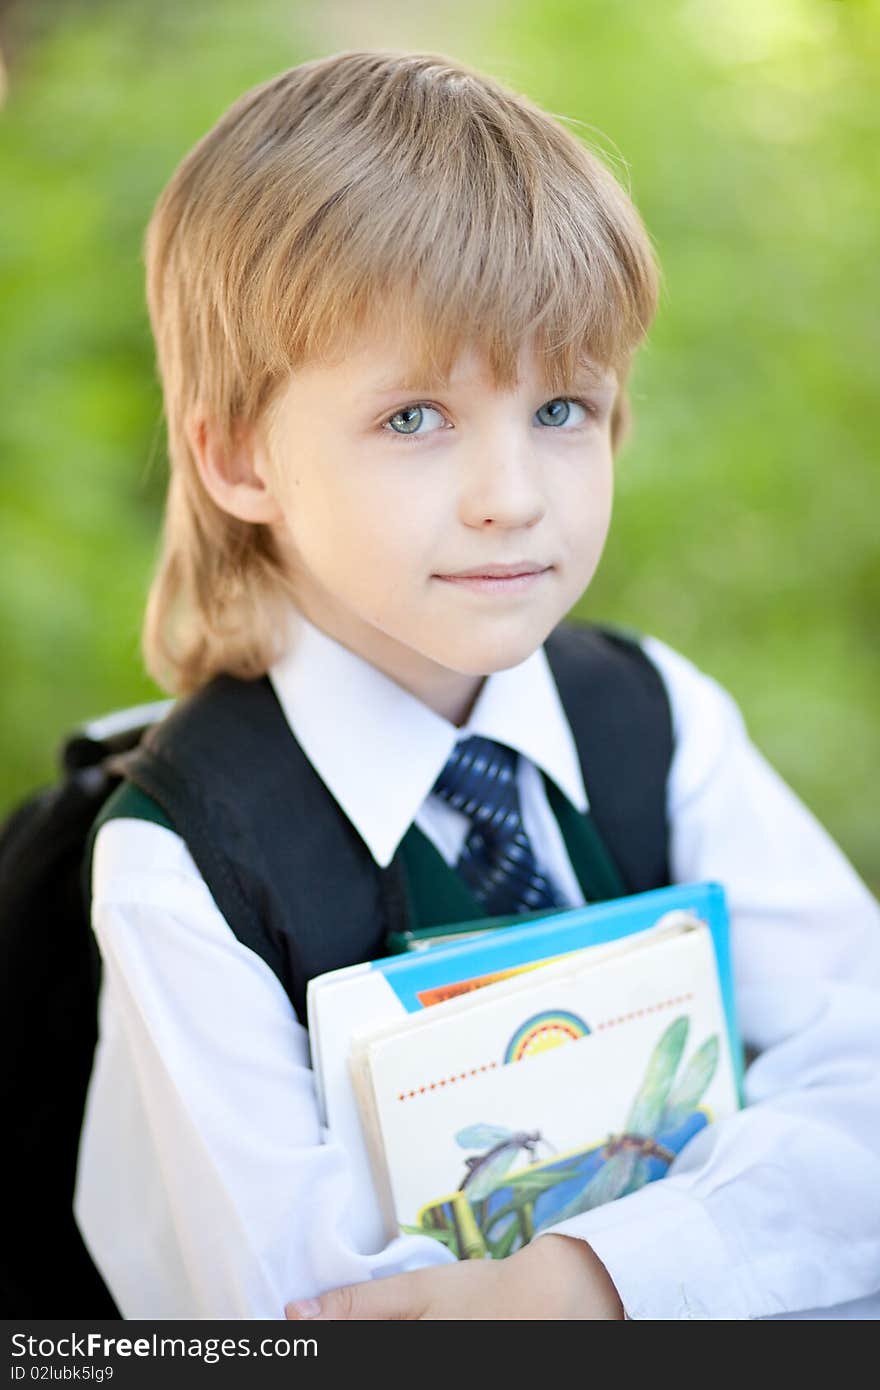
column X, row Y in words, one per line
column 616, row 703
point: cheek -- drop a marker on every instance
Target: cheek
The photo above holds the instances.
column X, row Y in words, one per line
column 586, row 515
column 339, row 523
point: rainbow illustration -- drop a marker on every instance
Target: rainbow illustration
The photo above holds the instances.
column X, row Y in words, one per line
column 544, row 1031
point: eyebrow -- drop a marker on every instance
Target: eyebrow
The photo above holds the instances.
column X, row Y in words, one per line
column 401, row 385
column 585, row 379
column 395, row 388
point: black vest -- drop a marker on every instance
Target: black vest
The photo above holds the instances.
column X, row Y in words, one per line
column 291, row 874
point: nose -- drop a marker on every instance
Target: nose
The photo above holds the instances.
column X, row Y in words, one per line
column 501, row 481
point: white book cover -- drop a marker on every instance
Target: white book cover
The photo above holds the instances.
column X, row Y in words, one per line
column 500, row 1112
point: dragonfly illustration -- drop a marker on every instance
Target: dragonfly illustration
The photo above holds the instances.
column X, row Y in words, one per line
column 500, row 1148
column 659, row 1107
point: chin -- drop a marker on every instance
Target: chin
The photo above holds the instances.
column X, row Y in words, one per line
column 481, row 655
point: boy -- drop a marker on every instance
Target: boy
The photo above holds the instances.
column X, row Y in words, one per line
column 395, row 307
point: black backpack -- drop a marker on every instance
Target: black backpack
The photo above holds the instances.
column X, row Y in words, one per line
column 50, row 971
column 235, row 829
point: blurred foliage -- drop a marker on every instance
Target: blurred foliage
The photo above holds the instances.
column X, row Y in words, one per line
column 746, row 531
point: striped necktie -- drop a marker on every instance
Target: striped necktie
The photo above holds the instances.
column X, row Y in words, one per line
column 497, row 861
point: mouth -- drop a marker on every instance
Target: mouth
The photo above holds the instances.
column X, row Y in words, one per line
column 499, row 579
column 511, row 570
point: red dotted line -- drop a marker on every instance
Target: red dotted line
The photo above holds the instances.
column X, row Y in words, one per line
column 489, row 1066
column 446, row 1081
column 641, row 1013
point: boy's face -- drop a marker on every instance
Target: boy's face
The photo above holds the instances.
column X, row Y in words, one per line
column 383, row 491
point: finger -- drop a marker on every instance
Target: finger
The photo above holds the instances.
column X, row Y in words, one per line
column 377, row 1300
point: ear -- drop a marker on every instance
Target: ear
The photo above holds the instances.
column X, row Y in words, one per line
column 234, row 474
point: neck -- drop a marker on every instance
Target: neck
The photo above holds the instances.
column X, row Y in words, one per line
column 451, row 694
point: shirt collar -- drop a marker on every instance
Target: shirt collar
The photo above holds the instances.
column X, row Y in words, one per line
column 380, row 750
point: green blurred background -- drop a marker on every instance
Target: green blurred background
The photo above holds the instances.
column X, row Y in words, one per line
column 747, row 529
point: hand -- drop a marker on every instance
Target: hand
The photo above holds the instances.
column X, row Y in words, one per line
column 553, row 1277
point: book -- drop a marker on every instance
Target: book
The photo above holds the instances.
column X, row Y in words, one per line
column 501, row 1081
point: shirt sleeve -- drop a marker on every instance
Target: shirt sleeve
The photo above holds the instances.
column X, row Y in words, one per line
column 207, row 1186
column 772, row 1212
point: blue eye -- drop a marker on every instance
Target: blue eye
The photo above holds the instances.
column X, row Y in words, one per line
column 558, row 411
column 409, row 419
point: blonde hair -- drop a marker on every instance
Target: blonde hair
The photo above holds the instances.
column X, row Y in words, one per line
column 322, row 197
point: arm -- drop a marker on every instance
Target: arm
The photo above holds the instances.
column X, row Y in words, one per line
column 207, row 1187
column 774, row 1211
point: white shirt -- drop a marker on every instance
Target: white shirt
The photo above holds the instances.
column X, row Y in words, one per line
column 207, row 1186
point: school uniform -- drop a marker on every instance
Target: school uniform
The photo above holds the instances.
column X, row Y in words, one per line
column 207, row 1187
